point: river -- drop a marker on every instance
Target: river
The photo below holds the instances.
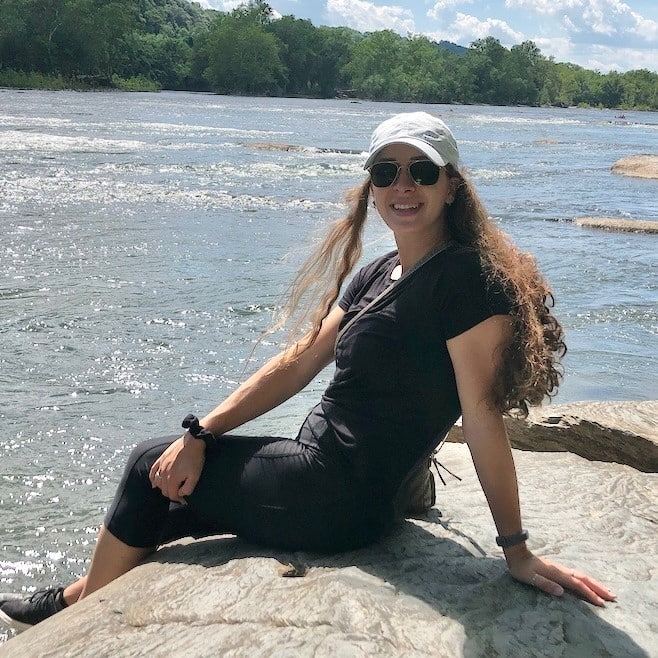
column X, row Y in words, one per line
column 147, row 238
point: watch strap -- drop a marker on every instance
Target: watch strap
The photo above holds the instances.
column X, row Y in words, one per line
column 507, row 541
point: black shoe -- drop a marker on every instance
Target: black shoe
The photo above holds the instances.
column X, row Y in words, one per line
column 21, row 612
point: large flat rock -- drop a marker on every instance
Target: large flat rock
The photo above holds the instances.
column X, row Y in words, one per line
column 621, row 432
column 619, row 224
column 638, row 166
column 437, row 587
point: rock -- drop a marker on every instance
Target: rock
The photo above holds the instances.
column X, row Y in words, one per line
column 436, row 587
column 638, row 166
column 621, row 432
column 274, row 146
column 619, row 224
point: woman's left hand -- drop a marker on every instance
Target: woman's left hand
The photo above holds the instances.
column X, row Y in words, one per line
column 554, row 578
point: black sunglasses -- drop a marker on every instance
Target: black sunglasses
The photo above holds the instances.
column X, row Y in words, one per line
column 421, row 172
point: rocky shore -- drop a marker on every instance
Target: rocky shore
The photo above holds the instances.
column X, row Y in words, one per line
column 437, row 586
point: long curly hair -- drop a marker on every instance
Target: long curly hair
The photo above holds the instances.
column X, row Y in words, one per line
column 529, row 368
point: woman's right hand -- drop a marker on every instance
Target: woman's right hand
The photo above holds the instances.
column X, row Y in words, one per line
column 178, row 469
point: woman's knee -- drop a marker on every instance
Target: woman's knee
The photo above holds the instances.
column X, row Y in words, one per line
column 144, row 454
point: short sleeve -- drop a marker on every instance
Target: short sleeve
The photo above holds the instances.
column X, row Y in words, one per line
column 363, row 279
column 352, row 290
column 465, row 297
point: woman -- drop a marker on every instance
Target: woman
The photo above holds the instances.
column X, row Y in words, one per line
column 454, row 322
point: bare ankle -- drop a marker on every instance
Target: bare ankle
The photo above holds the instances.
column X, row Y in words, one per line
column 74, row 590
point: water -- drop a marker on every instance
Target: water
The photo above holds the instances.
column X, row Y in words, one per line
column 147, row 240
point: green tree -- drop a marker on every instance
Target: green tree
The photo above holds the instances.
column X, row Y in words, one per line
column 370, row 68
column 487, row 61
column 423, row 67
column 298, row 53
column 334, row 48
column 526, row 71
column 243, row 58
column 640, row 89
column 612, row 90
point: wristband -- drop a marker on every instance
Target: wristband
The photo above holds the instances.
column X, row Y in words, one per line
column 507, row 541
column 192, row 425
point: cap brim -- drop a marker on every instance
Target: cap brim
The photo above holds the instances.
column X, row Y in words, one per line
column 422, row 146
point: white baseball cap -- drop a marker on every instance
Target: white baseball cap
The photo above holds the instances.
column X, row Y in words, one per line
column 426, row 132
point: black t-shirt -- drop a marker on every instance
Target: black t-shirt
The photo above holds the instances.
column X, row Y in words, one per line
column 393, row 395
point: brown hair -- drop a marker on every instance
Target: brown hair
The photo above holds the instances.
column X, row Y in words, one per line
column 529, row 369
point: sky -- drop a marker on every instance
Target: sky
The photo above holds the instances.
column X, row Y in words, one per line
column 601, row 35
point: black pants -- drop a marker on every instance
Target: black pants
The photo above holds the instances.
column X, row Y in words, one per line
column 279, row 492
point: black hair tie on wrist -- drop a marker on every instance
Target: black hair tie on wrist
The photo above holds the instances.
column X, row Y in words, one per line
column 192, row 425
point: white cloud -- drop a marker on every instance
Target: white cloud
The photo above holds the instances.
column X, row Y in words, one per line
column 221, row 5
column 367, row 17
column 545, row 7
column 645, row 28
column 464, row 29
column 594, row 19
column 597, row 57
column 467, row 28
column 230, row 5
column 570, row 25
column 606, row 59
column 560, row 48
column 441, row 7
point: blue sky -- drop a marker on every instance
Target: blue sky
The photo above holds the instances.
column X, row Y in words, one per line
column 597, row 34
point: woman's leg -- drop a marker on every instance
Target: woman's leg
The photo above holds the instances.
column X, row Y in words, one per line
column 135, row 501
column 283, row 493
column 73, row 591
column 111, row 559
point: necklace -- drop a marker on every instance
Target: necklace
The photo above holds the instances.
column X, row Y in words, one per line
column 396, row 272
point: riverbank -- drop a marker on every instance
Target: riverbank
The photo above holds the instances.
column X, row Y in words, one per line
column 438, row 586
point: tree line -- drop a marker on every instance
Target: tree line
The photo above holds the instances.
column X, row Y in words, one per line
column 174, row 44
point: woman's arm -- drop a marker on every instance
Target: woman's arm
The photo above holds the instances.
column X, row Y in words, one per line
column 272, row 385
column 177, row 471
column 475, row 356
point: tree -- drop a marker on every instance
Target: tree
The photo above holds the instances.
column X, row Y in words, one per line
column 423, row 67
column 298, row 53
column 487, row 61
column 640, row 89
column 370, row 65
column 334, row 46
column 526, row 71
column 612, row 90
column 242, row 56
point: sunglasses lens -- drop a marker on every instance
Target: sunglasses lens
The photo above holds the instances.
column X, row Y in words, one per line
column 383, row 174
column 424, row 172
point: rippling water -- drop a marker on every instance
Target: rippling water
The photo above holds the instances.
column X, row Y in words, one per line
column 147, row 239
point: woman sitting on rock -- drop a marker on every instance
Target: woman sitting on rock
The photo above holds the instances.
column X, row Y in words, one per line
column 455, row 322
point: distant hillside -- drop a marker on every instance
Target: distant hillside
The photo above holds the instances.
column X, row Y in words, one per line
column 453, row 47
